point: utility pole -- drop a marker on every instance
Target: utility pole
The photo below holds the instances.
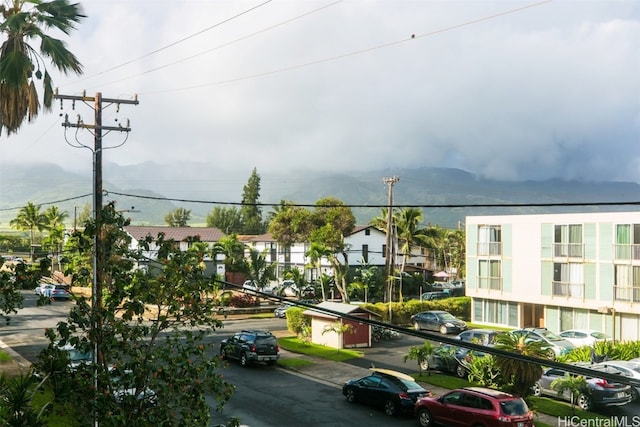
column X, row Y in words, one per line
column 98, row 251
column 389, row 251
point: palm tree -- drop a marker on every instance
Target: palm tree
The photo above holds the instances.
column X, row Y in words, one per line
column 576, row 385
column 20, row 63
column 29, row 218
column 260, row 271
column 407, row 221
column 315, row 254
column 55, row 225
column 522, row 375
column 421, row 355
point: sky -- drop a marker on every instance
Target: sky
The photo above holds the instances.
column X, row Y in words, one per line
column 510, row 90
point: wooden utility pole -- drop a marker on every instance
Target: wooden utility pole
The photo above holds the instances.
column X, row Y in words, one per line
column 98, row 251
column 389, row 251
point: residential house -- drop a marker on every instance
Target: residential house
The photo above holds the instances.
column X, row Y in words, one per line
column 559, row 271
column 334, row 330
column 181, row 235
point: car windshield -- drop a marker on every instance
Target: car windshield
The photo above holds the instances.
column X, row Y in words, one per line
column 446, row 316
column 598, row 335
column 514, row 407
column 551, row 336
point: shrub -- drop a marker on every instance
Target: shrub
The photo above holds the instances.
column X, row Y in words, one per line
column 242, row 301
column 402, row 312
column 297, row 322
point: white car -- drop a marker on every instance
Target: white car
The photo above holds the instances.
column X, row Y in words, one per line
column 583, row 337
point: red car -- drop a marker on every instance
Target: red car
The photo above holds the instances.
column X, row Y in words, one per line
column 474, row 406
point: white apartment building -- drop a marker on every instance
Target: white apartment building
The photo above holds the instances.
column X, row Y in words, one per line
column 560, row 271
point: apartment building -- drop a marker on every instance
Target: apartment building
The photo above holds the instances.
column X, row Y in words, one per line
column 559, row 271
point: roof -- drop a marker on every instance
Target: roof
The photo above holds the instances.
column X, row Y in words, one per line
column 359, row 228
column 337, row 307
column 205, row 234
column 266, row 237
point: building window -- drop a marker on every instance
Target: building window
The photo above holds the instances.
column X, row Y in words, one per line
column 627, row 283
column 567, row 241
column 365, row 253
column 367, row 232
column 273, row 254
column 497, row 312
column 489, row 274
column 568, row 280
column 627, row 246
column 384, row 251
column 489, row 240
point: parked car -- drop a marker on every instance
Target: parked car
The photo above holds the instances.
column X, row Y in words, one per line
column 251, row 287
column 281, row 310
column 438, row 286
column 251, row 347
column 450, row 359
column 49, row 290
column 479, row 336
column 438, row 320
column 433, row 295
column 628, row 368
column 287, row 288
column 557, row 344
column 474, row 406
column 394, row 391
column 76, row 356
column 600, row 392
column 583, row 337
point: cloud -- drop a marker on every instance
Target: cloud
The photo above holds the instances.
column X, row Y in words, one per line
column 548, row 91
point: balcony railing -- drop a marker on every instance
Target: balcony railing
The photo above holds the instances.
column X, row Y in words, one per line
column 567, row 289
column 489, row 248
column 626, row 252
column 568, row 250
column 493, row 283
column 626, row 293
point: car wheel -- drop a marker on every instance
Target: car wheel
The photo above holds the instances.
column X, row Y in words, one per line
column 416, row 326
column 350, row 394
column 634, row 394
column 461, row 371
column 389, row 407
column 424, row 365
column 443, row 330
column 244, row 362
column 536, row 390
column 424, row 418
column 584, row 402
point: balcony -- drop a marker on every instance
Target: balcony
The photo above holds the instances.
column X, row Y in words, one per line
column 626, row 293
column 568, row 250
column 626, row 252
column 489, row 248
column 493, row 283
column 567, row 289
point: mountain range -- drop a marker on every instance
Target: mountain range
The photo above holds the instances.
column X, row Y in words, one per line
column 148, row 191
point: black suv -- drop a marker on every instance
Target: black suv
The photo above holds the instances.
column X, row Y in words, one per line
column 251, row 346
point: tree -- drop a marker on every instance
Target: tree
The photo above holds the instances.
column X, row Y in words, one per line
column 250, row 212
column 55, row 225
column 420, row 354
column 233, row 251
column 407, row 221
column 10, row 296
column 520, row 374
column 16, row 398
column 228, row 220
column 29, row 218
column 21, row 64
column 259, row 270
column 149, row 331
column 576, row 385
column 315, row 254
column 178, row 217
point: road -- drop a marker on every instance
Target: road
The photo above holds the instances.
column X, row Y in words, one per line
column 271, row 392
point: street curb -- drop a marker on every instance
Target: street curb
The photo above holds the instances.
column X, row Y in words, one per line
column 22, row 363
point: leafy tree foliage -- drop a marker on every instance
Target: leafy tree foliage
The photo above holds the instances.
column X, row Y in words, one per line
column 10, row 296
column 20, row 62
column 234, row 252
column 179, row 217
column 420, row 354
column 30, row 218
column 16, row 397
column 520, row 374
column 228, row 220
column 259, row 270
column 250, row 212
column 148, row 328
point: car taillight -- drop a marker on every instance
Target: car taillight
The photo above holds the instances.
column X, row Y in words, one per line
column 253, row 348
column 403, row 396
column 605, row 384
column 277, row 348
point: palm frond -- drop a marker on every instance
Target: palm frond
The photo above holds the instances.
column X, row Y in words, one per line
column 60, row 56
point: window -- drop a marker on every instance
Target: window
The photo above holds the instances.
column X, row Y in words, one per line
column 627, row 283
column 568, row 280
column 567, row 241
column 365, row 253
column 489, row 274
column 384, row 251
column 627, row 246
column 489, row 240
column 497, row 312
column 367, row 232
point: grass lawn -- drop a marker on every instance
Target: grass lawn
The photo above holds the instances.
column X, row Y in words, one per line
column 4, row 357
column 296, row 345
